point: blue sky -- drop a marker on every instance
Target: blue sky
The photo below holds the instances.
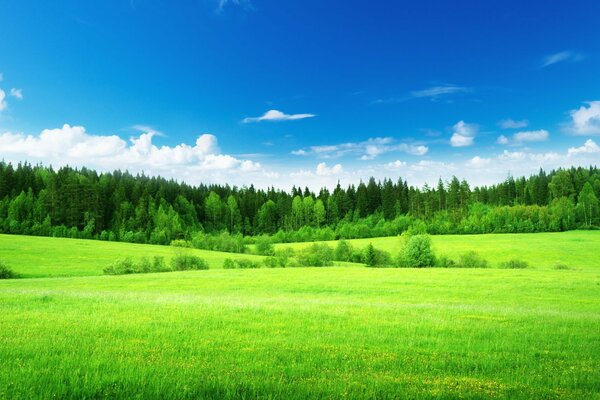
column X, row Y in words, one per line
column 304, row 93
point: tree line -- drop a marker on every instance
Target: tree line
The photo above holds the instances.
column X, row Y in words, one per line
column 82, row 203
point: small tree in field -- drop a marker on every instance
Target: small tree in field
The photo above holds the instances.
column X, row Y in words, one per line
column 417, row 252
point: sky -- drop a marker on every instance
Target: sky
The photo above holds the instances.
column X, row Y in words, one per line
column 304, row 93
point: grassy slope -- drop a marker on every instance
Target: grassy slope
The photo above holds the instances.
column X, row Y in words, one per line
column 303, row 333
column 33, row 256
column 576, row 249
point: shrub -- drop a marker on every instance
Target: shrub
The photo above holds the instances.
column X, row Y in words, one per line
column 264, row 246
column 284, row 256
column 180, row 243
column 316, row 255
column 144, row 265
column 184, row 262
column 514, row 264
column 445, row 262
column 417, row 252
column 343, row 251
column 241, row 263
column 373, row 257
column 6, row 272
column 121, row 267
column 472, row 259
column 561, row 266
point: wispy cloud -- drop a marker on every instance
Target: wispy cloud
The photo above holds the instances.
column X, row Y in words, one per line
column 365, row 150
column 17, row 93
column 464, row 134
column 275, row 115
column 561, row 57
column 3, row 104
column 245, row 4
column 513, row 124
column 585, row 120
column 433, row 93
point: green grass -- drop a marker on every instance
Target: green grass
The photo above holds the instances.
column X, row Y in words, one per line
column 576, row 249
column 303, row 333
column 297, row 333
column 32, row 256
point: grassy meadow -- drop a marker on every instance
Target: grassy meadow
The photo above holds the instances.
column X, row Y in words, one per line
column 296, row 333
column 575, row 249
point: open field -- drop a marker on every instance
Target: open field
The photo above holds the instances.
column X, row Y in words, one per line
column 303, row 333
column 32, row 256
column 334, row 332
column 576, row 249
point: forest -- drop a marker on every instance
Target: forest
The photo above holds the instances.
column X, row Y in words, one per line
column 119, row 206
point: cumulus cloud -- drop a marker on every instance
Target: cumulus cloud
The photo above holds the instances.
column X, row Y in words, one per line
column 3, row 104
column 395, row 165
column 72, row 145
column 275, row 115
column 513, row 124
column 502, row 140
column 478, row 162
column 365, row 150
column 531, row 136
column 589, row 147
column 463, row 135
column 561, row 57
column 17, row 93
column 324, row 170
column 585, row 120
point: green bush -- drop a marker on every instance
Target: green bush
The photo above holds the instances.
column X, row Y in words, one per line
column 373, row 257
column 514, row 264
column 561, row 266
column 315, row 255
column 181, row 243
column 6, row 272
column 343, row 251
column 445, row 262
column 417, row 252
column 185, row 262
column 240, row 263
column 144, row 265
column 264, row 246
column 472, row 259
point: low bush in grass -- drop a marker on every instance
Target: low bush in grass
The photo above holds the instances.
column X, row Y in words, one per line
column 6, row 272
column 240, row 263
column 561, row 266
column 186, row 262
column 264, row 246
column 343, row 251
column 417, row 252
column 315, row 255
column 373, row 257
column 445, row 262
column 181, row 243
column 224, row 241
column 472, row 259
column 281, row 259
column 144, row 265
column 514, row 264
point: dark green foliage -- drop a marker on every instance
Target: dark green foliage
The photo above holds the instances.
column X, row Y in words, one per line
column 35, row 200
column 240, row 263
column 472, row 259
column 417, row 252
column 180, row 243
column 142, row 266
column 184, row 262
column 343, row 251
column 514, row 264
column 444, row 262
column 373, row 257
column 6, row 272
column 561, row 266
column 315, row 255
column 264, row 246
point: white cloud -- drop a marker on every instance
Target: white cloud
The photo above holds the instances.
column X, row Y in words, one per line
column 478, row 162
column 17, row 93
column 437, row 91
column 365, row 150
column 463, row 135
column 560, row 57
column 531, row 136
column 3, row 104
column 586, row 120
column 245, row 4
column 72, row 145
column 324, row 170
column 589, row 147
column 275, row 115
column 395, row 165
column 512, row 124
column 502, row 140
